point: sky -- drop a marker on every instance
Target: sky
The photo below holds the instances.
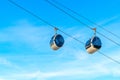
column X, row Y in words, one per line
column 25, row 52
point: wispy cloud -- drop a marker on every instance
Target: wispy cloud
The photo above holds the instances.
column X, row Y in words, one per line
column 25, row 34
column 90, row 71
column 2, row 79
column 80, row 63
column 7, row 63
column 3, row 61
column 110, row 20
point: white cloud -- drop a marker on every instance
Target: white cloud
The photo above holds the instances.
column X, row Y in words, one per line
column 109, row 20
column 4, row 61
column 82, row 64
column 82, row 67
column 2, row 79
column 7, row 63
column 91, row 71
column 26, row 34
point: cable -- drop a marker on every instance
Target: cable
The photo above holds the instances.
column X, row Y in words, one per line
column 31, row 13
column 85, row 18
column 72, row 37
column 80, row 21
column 109, row 57
column 108, row 38
column 39, row 18
column 67, row 13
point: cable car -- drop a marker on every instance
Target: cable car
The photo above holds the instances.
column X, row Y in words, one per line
column 56, row 41
column 93, row 44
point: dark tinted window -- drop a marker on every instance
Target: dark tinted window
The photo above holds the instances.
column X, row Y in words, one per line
column 96, row 41
column 59, row 40
column 88, row 43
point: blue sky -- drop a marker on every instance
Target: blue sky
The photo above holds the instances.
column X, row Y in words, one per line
column 25, row 53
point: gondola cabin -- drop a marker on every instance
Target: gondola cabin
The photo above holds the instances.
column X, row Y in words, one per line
column 93, row 44
column 56, row 41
